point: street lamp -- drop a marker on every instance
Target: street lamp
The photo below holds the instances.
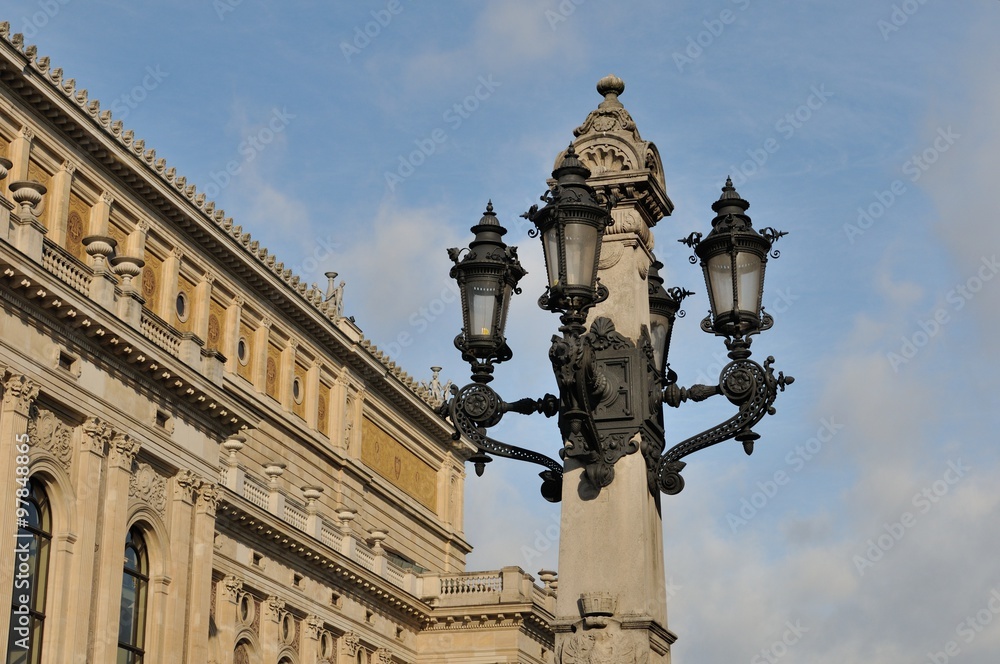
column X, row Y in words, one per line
column 611, row 388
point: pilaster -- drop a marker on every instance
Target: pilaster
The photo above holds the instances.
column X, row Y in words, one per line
column 200, row 597
column 312, row 394
column 201, row 305
column 270, row 627
column 338, row 411
column 185, row 484
column 169, row 272
column 226, row 608
column 20, row 153
column 88, row 478
column 231, row 333
column 114, row 527
column 261, row 341
column 58, row 201
column 286, row 371
column 19, row 392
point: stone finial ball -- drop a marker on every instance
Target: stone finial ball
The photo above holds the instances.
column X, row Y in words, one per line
column 610, row 83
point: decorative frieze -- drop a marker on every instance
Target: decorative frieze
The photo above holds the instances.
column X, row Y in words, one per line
column 147, row 486
column 47, row 432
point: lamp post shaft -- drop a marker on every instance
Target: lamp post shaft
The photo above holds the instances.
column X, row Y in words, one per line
column 611, row 539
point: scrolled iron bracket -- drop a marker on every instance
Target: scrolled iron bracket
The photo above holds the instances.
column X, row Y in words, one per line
column 476, row 407
column 747, row 385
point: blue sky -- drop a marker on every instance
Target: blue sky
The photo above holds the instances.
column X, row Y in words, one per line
column 818, row 111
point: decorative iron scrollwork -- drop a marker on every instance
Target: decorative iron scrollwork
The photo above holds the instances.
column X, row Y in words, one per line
column 749, row 386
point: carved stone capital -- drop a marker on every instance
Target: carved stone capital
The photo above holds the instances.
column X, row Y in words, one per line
column 186, row 483
column 142, row 226
column 96, row 435
column 177, row 253
column 27, row 133
column 208, row 497
column 350, row 643
column 69, row 166
column 122, row 451
column 266, row 322
column 239, row 300
column 107, row 198
column 314, row 625
column 382, row 656
column 209, row 278
column 273, row 608
column 18, row 394
column 231, row 587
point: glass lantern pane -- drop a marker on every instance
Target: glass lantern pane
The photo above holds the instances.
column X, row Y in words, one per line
column 550, row 245
column 482, row 304
column 581, row 250
column 748, row 271
column 720, row 283
column 504, row 306
column 658, row 334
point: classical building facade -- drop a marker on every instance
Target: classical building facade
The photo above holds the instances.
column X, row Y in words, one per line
column 201, row 458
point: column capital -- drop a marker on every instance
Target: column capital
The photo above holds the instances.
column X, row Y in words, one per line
column 314, row 625
column 96, row 434
column 186, row 482
column 208, row 498
column 350, row 643
column 232, row 586
column 27, row 133
column 123, row 450
column 19, row 392
column 273, row 608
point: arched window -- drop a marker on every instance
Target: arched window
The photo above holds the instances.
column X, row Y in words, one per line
column 135, row 582
column 31, row 573
column 242, row 653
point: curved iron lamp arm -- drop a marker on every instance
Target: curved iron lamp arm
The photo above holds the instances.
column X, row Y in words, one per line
column 746, row 384
column 475, row 407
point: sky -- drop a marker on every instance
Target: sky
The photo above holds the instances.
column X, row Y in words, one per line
column 366, row 137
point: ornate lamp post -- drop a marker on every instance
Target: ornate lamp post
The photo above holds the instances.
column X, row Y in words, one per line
column 594, row 369
column 612, row 387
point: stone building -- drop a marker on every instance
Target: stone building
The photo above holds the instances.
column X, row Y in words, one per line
column 201, row 459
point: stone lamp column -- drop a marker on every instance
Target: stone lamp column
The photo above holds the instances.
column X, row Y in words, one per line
column 611, row 604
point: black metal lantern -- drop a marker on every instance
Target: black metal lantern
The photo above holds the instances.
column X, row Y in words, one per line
column 733, row 257
column 664, row 308
column 487, row 275
column 571, row 224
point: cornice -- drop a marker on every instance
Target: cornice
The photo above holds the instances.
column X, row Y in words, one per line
column 80, row 120
column 314, row 554
column 43, row 297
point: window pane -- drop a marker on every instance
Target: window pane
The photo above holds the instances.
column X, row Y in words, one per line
column 31, row 563
column 132, row 615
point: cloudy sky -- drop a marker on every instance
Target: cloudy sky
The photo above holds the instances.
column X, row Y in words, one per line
column 366, row 137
